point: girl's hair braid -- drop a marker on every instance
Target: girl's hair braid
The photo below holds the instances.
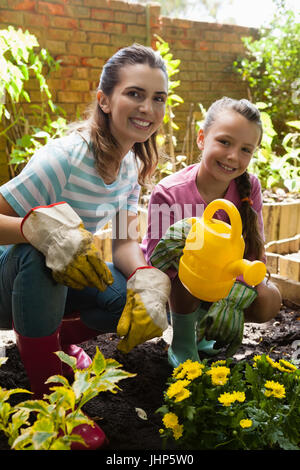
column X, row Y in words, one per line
column 254, row 243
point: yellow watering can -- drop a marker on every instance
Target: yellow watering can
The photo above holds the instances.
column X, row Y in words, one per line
column 213, row 255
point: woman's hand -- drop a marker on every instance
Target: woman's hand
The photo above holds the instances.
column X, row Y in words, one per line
column 69, row 249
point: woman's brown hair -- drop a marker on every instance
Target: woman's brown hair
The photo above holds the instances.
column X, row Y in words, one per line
column 254, row 243
column 105, row 146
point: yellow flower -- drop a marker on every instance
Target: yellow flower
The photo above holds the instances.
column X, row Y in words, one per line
column 177, row 431
column 228, row 398
column 246, row 423
column 217, row 363
column 170, row 420
column 189, row 369
column 178, row 390
column 274, row 389
column 271, row 362
column 255, row 359
column 240, row 396
column 219, row 375
column 286, row 366
column 283, row 366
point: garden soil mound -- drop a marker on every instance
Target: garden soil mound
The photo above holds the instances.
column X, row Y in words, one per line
column 119, row 414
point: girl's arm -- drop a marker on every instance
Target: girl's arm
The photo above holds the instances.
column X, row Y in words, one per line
column 10, row 225
column 126, row 251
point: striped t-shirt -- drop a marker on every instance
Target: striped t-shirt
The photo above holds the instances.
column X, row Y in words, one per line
column 64, row 170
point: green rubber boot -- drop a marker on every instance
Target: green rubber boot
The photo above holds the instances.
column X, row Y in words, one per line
column 184, row 341
column 204, row 346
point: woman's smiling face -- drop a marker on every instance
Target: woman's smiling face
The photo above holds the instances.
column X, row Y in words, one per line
column 136, row 107
column 228, row 145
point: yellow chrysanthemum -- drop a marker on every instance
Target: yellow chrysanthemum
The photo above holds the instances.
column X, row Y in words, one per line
column 228, row 398
column 271, row 362
column 255, row 359
column 177, row 431
column 221, row 362
column 189, row 369
column 219, row 375
column 246, row 423
column 286, row 366
column 240, row 396
column 178, row 390
column 170, row 420
column 274, row 389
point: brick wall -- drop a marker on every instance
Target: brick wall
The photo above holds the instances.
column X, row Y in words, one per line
column 83, row 34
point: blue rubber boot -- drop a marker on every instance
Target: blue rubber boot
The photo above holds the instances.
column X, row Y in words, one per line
column 184, row 341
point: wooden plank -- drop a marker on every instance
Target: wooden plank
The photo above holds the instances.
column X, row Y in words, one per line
column 288, row 220
column 289, row 267
column 271, row 217
column 290, row 290
column 272, row 263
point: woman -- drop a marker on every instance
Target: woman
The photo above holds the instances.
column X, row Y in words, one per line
column 70, row 189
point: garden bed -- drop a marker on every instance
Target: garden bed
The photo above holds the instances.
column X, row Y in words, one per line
column 117, row 413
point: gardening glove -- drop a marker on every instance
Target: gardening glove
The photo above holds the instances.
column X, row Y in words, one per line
column 224, row 320
column 69, row 249
column 144, row 316
column 169, row 249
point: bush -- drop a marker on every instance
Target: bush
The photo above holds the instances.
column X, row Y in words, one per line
column 271, row 67
column 26, row 126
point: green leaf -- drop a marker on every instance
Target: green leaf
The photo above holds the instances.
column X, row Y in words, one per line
column 99, row 362
column 70, row 360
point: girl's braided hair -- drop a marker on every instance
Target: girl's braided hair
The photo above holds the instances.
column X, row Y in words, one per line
column 254, row 243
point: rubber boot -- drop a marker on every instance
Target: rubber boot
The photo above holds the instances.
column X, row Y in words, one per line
column 184, row 341
column 205, row 347
column 73, row 330
column 40, row 362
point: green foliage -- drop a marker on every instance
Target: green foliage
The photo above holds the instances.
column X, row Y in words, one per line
column 26, row 126
column 60, row 412
column 273, row 169
column 271, row 67
column 233, row 407
column 167, row 138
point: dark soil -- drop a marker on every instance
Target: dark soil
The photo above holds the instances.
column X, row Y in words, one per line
column 116, row 413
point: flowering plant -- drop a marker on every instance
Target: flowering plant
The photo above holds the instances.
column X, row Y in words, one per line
column 233, row 406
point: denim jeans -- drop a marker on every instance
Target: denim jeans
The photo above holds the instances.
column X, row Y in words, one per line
column 34, row 304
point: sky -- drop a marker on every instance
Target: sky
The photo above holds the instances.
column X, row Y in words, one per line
column 253, row 13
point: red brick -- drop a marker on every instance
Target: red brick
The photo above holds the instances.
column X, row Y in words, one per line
column 25, row 5
column 51, row 8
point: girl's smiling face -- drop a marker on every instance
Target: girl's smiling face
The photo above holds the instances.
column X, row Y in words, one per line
column 227, row 146
column 136, row 107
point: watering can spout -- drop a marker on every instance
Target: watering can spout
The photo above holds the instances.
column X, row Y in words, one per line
column 253, row 272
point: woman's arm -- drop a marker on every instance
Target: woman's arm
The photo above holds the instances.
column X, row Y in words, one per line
column 126, row 251
column 10, row 224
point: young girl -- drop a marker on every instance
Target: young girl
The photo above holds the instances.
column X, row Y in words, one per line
column 231, row 133
column 49, row 213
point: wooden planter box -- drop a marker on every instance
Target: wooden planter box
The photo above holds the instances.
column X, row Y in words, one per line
column 283, row 263
column 281, row 220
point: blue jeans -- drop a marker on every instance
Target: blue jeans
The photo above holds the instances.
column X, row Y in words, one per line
column 34, row 304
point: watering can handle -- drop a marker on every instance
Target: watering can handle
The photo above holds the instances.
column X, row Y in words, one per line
column 233, row 213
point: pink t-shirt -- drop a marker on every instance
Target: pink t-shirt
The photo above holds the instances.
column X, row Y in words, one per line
column 177, row 197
